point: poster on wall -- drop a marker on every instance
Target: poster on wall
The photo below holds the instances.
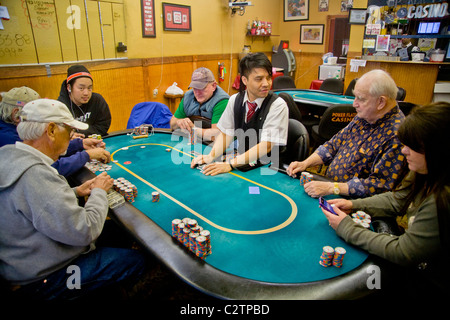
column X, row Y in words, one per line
column 295, row 10
column 383, row 42
column 176, row 17
column 148, row 18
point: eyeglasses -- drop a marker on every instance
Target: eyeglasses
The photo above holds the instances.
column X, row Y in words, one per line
column 68, row 128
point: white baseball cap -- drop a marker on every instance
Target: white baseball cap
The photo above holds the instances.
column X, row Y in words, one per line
column 48, row 110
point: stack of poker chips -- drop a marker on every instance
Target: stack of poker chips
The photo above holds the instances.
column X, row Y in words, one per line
column 192, row 137
column 192, row 236
column 339, row 253
column 332, row 257
column 362, row 218
column 155, row 196
column 305, row 177
column 126, row 189
column 95, row 165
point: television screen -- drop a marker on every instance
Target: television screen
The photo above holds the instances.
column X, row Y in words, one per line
column 428, row 27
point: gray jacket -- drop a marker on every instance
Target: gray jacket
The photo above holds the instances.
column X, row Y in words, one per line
column 42, row 226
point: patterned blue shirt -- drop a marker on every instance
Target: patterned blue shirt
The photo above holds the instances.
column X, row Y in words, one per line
column 366, row 156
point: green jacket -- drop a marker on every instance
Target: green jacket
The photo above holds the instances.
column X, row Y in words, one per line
column 419, row 244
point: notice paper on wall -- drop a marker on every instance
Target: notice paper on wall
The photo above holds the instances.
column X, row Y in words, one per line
column 355, row 64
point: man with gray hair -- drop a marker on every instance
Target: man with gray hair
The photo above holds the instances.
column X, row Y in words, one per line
column 46, row 238
column 79, row 151
column 365, row 157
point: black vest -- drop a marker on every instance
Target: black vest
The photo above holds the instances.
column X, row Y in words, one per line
column 247, row 139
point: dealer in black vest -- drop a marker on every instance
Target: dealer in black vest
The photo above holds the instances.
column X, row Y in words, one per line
column 257, row 118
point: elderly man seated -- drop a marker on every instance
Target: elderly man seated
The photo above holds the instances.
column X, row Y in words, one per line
column 365, row 157
column 46, row 238
column 79, row 151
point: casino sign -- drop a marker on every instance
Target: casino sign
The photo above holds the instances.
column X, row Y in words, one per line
column 437, row 10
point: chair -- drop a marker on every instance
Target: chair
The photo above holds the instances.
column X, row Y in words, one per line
column 406, row 107
column 297, row 147
column 294, row 111
column 401, row 94
column 332, row 85
column 283, row 82
column 333, row 120
column 154, row 113
column 351, row 86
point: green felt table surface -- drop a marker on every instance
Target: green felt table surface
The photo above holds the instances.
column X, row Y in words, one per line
column 318, row 97
column 263, row 225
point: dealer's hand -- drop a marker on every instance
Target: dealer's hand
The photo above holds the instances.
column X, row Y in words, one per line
column 317, row 189
column 216, row 168
column 202, row 159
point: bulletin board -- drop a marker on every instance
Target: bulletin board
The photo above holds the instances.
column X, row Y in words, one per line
column 46, row 31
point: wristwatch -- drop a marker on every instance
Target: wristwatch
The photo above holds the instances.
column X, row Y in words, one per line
column 336, row 188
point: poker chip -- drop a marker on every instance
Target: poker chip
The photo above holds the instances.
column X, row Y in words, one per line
column 125, row 148
column 192, row 236
column 362, row 218
column 127, row 162
column 168, row 149
column 142, row 147
column 95, row 165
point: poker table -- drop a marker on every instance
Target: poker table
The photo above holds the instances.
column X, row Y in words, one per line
column 267, row 234
column 316, row 101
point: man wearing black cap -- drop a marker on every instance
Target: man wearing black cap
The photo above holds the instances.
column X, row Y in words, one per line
column 86, row 106
column 206, row 100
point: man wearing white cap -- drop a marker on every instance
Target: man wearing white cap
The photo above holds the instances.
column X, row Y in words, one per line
column 79, row 151
column 206, row 101
column 45, row 235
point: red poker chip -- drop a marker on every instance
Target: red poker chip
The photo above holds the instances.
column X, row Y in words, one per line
column 127, row 162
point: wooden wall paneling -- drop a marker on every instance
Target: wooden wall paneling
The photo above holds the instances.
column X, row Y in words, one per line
column 419, row 91
column 119, row 28
column 94, row 30
column 45, row 30
column 307, row 68
column 122, row 89
column 107, row 28
column 67, row 22
column 82, row 42
column 16, row 39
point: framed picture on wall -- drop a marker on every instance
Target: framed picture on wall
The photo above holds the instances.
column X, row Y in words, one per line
column 357, row 16
column 148, row 18
column 176, row 17
column 295, row 10
column 311, row 33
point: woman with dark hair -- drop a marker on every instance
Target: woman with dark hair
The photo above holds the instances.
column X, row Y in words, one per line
column 423, row 196
column 84, row 104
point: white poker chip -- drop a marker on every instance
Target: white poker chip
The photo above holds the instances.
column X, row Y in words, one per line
column 142, row 147
column 115, row 161
column 125, row 148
